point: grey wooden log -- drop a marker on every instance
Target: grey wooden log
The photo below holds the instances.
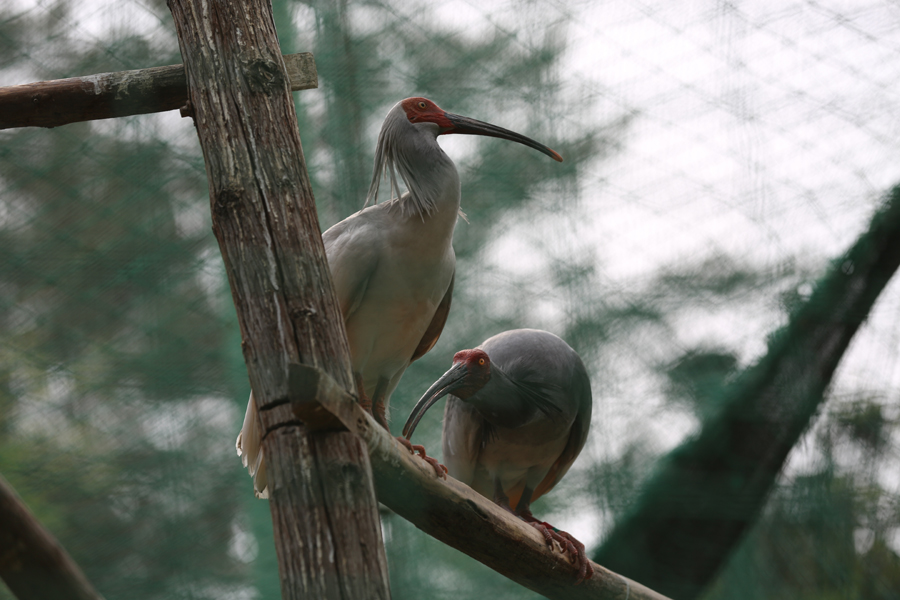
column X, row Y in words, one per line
column 120, row 94
column 327, row 535
column 33, row 564
column 449, row 510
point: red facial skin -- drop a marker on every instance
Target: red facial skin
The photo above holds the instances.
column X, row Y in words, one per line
column 478, row 365
column 423, row 110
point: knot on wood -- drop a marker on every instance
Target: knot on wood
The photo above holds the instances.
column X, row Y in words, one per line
column 477, row 509
column 362, row 426
column 226, row 200
column 304, row 312
column 264, row 76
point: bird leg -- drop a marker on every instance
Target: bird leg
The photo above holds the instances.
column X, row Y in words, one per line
column 378, row 408
column 364, row 400
column 567, row 543
column 500, row 497
column 439, row 469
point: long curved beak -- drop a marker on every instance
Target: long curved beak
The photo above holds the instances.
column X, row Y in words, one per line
column 469, row 126
column 446, row 384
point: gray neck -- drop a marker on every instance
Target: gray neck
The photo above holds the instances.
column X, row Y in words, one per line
column 413, row 152
column 501, row 402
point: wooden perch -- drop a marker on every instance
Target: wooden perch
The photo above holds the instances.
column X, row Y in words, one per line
column 32, row 562
column 120, row 94
column 449, row 510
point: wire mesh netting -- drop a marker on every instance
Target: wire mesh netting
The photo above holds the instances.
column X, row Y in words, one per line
column 718, row 157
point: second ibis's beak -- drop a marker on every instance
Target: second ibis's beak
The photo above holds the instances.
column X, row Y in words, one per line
column 475, row 127
column 443, row 386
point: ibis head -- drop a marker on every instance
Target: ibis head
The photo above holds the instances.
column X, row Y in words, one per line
column 471, row 370
column 408, row 144
column 423, row 110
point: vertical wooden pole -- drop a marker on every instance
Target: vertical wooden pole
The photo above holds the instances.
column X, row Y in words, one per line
column 327, row 530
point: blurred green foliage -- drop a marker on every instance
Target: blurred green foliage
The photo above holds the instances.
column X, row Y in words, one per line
column 121, row 379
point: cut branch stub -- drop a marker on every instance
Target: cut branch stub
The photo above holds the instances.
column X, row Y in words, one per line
column 305, row 386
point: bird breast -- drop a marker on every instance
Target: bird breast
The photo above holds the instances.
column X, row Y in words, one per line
column 399, row 302
column 517, row 456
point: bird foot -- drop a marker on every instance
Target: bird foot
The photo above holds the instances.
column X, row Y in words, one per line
column 568, row 544
column 439, row 469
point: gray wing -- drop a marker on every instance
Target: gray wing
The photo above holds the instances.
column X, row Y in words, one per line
column 540, row 356
column 581, row 393
column 437, row 323
column 352, row 252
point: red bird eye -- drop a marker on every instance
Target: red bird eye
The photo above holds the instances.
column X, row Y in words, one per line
column 481, row 361
column 422, row 105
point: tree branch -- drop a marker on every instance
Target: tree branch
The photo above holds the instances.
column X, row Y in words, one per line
column 32, row 563
column 709, row 491
column 448, row 510
column 120, row 94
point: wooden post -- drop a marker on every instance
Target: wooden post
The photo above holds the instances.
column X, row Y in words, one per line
column 327, row 529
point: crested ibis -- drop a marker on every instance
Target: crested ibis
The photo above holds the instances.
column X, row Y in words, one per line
column 393, row 263
column 517, row 416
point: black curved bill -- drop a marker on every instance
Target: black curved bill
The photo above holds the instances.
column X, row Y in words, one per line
column 469, row 126
column 447, row 383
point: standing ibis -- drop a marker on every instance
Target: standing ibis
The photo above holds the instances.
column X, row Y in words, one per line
column 517, row 417
column 393, row 263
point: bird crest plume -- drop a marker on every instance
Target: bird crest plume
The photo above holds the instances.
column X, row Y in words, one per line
column 390, row 159
column 400, row 146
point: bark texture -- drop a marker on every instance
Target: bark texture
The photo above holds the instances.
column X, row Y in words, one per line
column 327, row 536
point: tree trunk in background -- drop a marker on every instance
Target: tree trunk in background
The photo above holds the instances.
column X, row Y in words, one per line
column 343, row 132
column 265, row 222
column 710, row 490
column 32, row 563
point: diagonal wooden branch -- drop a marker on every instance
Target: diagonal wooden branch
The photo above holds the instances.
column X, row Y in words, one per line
column 119, row 94
column 449, row 510
column 708, row 492
column 32, row 562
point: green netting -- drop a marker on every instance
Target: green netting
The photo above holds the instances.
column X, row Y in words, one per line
column 718, row 156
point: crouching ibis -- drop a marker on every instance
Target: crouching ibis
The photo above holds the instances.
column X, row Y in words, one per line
column 393, row 263
column 517, row 417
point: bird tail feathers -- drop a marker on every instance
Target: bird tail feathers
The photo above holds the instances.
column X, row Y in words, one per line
column 249, row 448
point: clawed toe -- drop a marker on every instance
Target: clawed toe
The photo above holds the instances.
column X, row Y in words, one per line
column 569, row 545
column 439, row 469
